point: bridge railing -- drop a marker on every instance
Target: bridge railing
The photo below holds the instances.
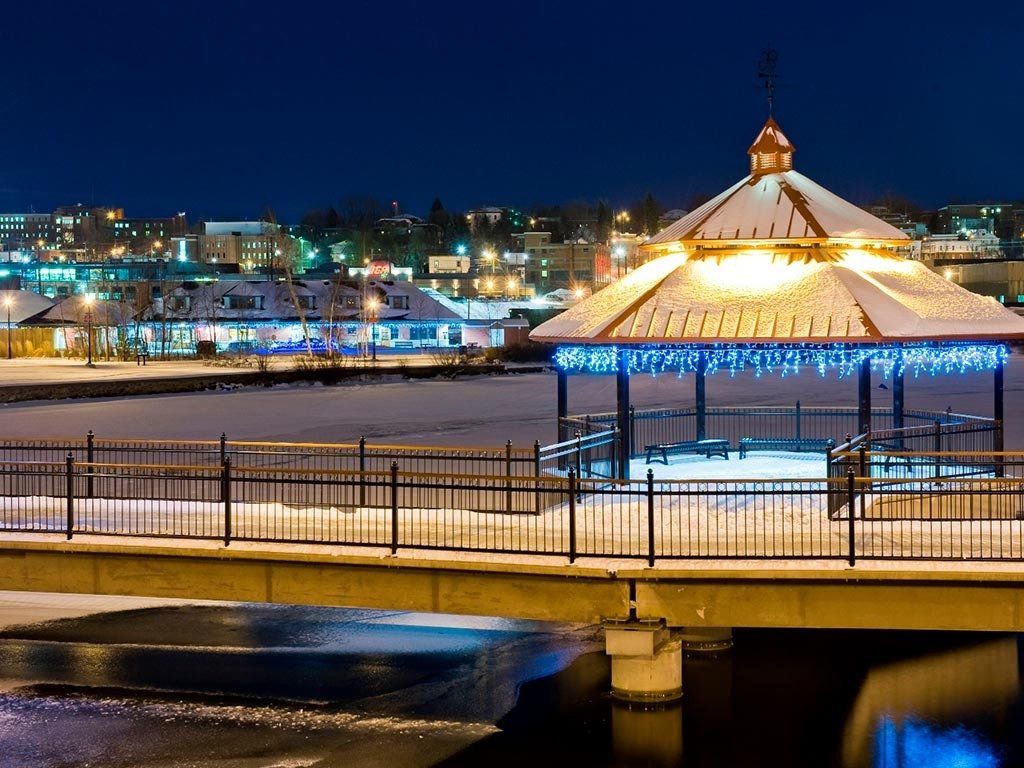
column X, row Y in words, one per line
column 922, row 517
column 362, row 456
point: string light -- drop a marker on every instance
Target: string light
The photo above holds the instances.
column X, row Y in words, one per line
column 932, row 358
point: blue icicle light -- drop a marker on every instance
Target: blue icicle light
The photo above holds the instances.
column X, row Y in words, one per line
column 785, row 359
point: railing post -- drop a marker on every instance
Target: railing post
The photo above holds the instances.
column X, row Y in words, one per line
column 797, row 419
column 632, row 433
column 394, row 507
column 997, row 417
column 536, row 474
column 362, row 471
column 862, row 469
column 223, row 447
column 225, row 494
column 650, row 518
column 508, row 476
column 572, row 515
column 851, row 502
column 90, row 458
column 938, row 448
column 579, row 453
column 69, row 465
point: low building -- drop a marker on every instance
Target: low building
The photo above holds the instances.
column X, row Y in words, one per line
column 250, row 244
column 336, row 313
column 141, row 235
column 997, row 218
column 571, row 265
column 26, row 231
column 446, row 264
column 969, row 246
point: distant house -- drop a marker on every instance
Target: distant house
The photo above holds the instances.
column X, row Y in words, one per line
column 249, row 314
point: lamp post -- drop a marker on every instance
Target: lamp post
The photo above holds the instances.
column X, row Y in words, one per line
column 8, row 301
column 88, row 330
column 371, row 307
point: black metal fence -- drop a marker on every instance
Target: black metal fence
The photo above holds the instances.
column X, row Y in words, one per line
column 591, row 454
column 363, row 456
column 733, row 423
column 973, row 518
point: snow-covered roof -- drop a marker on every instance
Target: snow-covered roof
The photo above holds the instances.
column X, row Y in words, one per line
column 777, row 204
column 207, row 300
column 24, row 305
column 776, row 207
column 759, row 296
column 778, row 258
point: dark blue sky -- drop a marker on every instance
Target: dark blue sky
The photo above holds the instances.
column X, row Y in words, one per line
column 221, row 107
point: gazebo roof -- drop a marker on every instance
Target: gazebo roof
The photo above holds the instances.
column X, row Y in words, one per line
column 778, row 258
column 776, row 207
column 821, row 295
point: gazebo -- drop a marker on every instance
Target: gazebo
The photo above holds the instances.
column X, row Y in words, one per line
column 773, row 275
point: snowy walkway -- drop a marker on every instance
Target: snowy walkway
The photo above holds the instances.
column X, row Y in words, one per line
column 706, row 520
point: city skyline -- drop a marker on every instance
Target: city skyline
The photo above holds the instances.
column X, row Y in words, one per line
column 224, row 110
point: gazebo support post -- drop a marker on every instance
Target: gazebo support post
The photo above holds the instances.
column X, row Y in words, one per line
column 563, row 403
column 864, row 396
column 622, row 413
column 997, row 414
column 700, row 395
column 897, row 401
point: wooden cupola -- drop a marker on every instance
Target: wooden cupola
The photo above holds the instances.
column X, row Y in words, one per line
column 771, row 151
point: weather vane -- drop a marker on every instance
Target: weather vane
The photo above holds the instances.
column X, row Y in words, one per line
column 766, row 72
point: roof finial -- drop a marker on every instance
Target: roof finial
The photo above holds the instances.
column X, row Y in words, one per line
column 766, row 72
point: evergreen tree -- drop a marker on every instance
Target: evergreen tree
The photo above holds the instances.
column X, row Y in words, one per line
column 650, row 212
column 604, row 222
column 438, row 216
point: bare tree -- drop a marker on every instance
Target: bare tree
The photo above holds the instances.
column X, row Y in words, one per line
column 288, row 260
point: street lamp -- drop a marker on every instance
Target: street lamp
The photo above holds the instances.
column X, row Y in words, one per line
column 8, row 301
column 89, row 298
column 490, row 256
column 371, row 307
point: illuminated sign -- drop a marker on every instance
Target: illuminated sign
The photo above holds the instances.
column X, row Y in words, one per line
column 381, row 269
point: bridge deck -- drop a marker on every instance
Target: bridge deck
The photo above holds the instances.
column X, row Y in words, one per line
column 906, row 595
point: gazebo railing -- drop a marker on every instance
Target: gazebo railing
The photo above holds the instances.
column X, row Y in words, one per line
column 589, row 455
column 668, row 425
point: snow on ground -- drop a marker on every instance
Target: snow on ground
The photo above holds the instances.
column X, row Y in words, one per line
column 31, row 370
column 761, row 465
column 712, row 519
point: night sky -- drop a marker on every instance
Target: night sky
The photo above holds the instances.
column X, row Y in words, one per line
column 221, row 108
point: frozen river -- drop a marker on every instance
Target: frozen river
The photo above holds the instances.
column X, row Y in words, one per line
column 471, row 411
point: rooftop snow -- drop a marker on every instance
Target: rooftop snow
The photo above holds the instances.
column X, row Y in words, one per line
column 760, row 296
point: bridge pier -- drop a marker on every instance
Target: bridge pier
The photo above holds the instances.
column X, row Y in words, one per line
column 647, row 663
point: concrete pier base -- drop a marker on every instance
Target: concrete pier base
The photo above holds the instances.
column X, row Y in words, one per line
column 705, row 639
column 647, row 663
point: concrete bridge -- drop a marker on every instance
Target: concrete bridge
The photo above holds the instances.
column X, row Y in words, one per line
column 650, row 613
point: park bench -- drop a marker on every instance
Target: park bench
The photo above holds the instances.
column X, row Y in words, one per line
column 795, row 444
column 710, row 447
column 141, row 356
